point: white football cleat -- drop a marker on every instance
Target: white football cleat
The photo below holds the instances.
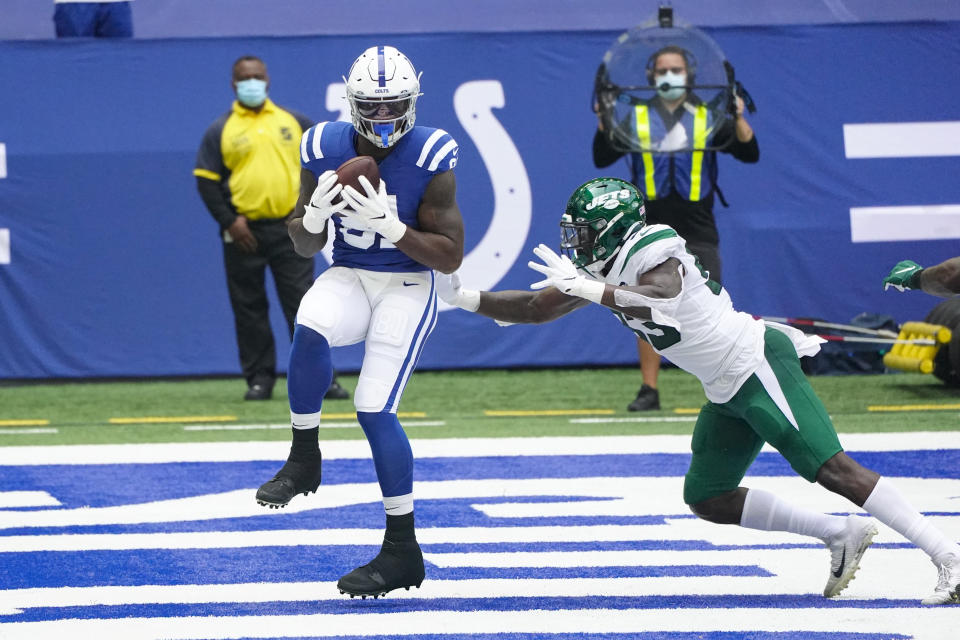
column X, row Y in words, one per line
column 948, row 586
column 846, row 549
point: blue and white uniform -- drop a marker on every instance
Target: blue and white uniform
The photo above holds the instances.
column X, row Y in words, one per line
column 416, row 158
column 374, row 292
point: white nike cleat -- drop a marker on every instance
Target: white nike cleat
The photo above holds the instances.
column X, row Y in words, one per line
column 948, row 586
column 846, row 549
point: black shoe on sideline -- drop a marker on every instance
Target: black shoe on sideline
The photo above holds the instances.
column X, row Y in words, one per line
column 336, row 392
column 293, row 478
column 399, row 564
column 648, row 399
column 259, row 390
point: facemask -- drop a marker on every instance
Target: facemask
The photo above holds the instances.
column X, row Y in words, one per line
column 677, row 82
column 252, row 92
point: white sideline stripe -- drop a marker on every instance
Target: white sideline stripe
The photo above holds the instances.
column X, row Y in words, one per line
column 428, row 145
column 902, row 139
column 619, row 420
column 286, row 425
column 10, row 499
column 899, row 224
column 424, row 448
column 10, row 432
column 933, row 623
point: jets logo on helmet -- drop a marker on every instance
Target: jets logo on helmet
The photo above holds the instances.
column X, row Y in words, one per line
column 382, row 90
column 599, row 215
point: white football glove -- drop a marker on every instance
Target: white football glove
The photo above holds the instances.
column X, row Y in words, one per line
column 319, row 209
column 562, row 274
column 372, row 210
column 452, row 292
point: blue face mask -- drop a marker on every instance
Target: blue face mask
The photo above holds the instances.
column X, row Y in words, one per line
column 252, row 92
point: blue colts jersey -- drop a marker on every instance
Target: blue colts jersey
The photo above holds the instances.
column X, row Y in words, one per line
column 415, row 159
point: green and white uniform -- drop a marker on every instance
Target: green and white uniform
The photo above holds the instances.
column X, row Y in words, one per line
column 749, row 369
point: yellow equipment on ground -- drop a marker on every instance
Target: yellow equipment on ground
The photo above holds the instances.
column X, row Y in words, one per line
column 916, row 355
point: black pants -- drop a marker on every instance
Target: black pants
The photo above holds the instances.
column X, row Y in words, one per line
column 709, row 256
column 246, row 282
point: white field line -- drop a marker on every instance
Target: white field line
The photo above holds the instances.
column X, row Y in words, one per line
column 37, row 430
column 688, row 529
column 933, row 623
column 675, row 529
column 652, row 496
column 885, row 573
column 286, row 425
column 425, row 448
column 12, row 499
column 653, row 419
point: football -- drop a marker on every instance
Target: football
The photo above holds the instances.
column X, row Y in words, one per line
column 349, row 172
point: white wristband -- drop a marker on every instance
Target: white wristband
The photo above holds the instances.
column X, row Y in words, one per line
column 591, row 290
column 313, row 221
column 393, row 231
column 469, row 300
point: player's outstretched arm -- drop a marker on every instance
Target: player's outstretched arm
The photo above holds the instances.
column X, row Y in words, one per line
column 517, row 307
column 661, row 282
column 939, row 280
column 305, row 243
column 943, row 279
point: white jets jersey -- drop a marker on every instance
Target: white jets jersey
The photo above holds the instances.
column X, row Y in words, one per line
column 698, row 330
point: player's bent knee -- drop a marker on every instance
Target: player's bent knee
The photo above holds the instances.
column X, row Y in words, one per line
column 718, row 509
column 837, row 471
column 323, row 321
column 704, row 510
column 371, row 395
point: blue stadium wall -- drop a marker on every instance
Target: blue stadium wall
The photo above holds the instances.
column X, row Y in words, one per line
column 110, row 265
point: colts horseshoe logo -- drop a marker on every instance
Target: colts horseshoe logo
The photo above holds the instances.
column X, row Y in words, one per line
column 501, row 245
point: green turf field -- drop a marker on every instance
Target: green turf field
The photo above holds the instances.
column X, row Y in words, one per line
column 463, row 401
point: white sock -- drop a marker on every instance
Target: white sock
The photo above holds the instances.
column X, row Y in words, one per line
column 765, row 511
column 398, row 505
column 890, row 507
column 305, row 420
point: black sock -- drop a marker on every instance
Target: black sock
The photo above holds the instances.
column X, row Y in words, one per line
column 400, row 527
column 306, row 445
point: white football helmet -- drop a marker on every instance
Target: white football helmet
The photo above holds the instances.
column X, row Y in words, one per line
column 382, row 90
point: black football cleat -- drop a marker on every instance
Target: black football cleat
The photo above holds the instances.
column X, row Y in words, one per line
column 399, row 564
column 259, row 391
column 336, row 392
column 648, row 399
column 293, row 478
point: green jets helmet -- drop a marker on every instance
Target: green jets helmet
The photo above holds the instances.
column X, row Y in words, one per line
column 599, row 214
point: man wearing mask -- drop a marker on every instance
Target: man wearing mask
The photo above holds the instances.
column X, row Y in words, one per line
column 248, row 175
column 677, row 183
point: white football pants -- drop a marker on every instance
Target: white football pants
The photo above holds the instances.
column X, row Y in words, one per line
column 392, row 312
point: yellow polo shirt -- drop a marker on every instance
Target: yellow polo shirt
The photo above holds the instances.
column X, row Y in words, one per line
column 256, row 156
